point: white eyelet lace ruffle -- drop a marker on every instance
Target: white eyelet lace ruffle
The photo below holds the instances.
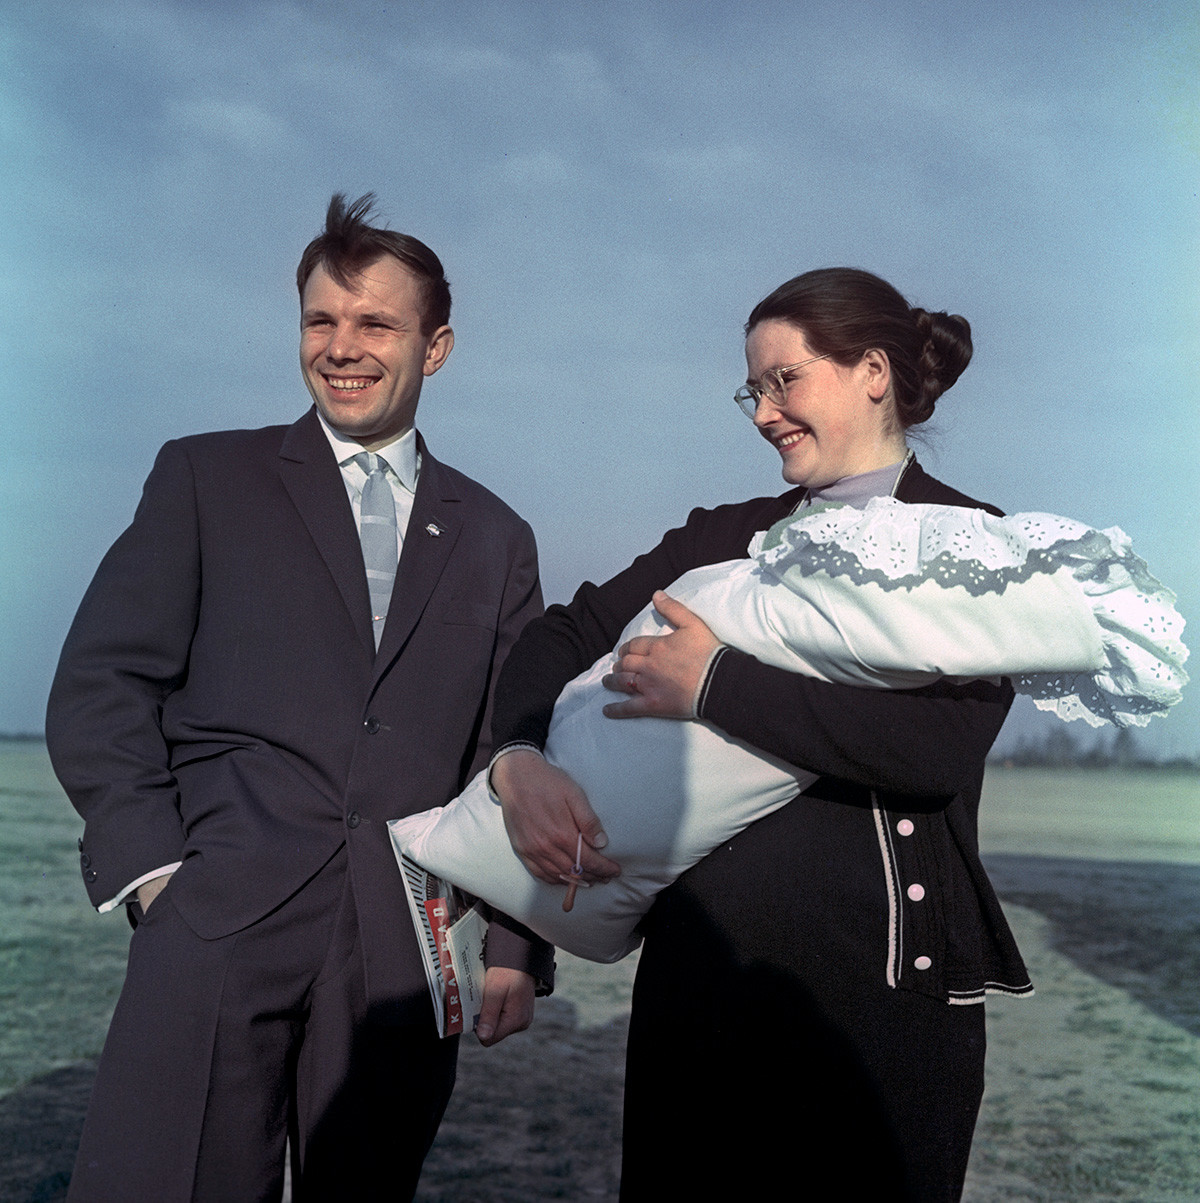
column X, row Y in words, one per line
column 897, row 547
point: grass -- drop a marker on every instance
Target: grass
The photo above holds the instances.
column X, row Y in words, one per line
column 61, row 964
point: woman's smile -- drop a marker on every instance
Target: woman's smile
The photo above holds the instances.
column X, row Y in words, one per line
column 827, row 423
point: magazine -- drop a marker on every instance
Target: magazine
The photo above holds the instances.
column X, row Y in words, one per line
column 450, row 928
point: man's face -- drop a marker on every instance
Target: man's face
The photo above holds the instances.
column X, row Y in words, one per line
column 362, row 352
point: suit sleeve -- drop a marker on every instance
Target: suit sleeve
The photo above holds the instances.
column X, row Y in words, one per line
column 521, row 604
column 127, row 650
column 569, row 639
column 510, row 944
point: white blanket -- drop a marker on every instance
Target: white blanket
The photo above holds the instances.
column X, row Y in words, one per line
column 892, row 596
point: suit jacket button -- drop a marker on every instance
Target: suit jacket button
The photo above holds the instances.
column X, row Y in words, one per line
column 372, row 725
column 90, row 876
column 353, row 819
column 85, row 860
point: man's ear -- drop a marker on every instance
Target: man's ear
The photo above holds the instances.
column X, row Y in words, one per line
column 441, row 343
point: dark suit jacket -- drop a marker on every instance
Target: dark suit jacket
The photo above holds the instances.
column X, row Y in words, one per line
column 219, row 699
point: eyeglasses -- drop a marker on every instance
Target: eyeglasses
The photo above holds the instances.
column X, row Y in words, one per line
column 771, row 385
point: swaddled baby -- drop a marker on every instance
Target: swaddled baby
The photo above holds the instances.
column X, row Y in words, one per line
column 889, row 596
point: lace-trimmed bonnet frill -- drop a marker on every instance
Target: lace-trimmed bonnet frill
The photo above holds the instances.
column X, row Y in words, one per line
column 986, row 596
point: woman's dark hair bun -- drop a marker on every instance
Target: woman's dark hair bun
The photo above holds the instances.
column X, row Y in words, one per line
column 945, row 352
column 844, row 312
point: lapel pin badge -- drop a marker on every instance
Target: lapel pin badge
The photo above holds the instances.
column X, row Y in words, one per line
column 434, row 529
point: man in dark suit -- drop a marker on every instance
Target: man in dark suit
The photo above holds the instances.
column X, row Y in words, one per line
column 244, row 699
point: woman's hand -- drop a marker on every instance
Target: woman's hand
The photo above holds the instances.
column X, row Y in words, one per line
column 544, row 813
column 662, row 673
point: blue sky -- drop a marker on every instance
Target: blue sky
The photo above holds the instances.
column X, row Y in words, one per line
column 612, row 188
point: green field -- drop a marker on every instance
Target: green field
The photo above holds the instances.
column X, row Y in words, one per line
column 1093, row 814
column 1094, row 1084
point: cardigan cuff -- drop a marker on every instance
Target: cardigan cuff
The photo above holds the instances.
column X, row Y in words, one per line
column 517, row 745
column 720, row 700
column 701, row 694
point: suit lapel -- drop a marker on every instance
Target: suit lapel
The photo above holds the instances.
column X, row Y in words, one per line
column 433, row 530
column 314, row 482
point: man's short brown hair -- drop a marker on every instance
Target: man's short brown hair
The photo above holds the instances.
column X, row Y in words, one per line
column 350, row 244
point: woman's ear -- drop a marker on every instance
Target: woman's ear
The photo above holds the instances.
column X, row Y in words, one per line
column 877, row 370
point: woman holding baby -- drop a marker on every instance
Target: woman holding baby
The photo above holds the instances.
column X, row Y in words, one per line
column 807, row 1001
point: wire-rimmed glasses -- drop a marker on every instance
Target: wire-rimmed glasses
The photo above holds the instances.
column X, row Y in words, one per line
column 770, row 385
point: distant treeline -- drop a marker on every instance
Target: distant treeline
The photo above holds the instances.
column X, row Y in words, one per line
column 1061, row 747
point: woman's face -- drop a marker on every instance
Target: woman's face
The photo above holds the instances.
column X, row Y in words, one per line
column 833, row 421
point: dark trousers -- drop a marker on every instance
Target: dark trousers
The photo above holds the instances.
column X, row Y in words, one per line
column 765, row 1046
column 221, row 1051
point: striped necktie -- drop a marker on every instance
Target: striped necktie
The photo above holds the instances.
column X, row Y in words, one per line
column 377, row 532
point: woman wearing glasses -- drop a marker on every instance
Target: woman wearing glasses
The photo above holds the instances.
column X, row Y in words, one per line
column 805, row 1005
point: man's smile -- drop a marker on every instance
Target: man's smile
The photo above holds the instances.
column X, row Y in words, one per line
column 350, row 384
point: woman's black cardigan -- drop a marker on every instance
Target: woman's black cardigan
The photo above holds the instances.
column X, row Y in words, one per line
column 915, row 757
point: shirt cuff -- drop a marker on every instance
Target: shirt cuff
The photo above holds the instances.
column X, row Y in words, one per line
column 113, row 903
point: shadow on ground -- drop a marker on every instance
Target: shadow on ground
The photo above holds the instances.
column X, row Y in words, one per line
column 537, row 1117
column 39, row 1129
column 1134, row 925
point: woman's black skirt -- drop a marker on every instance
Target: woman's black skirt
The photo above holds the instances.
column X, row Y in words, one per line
column 765, row 1044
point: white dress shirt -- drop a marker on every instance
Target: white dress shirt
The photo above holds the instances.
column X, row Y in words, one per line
column 403, row 469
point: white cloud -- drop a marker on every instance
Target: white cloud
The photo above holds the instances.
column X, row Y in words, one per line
column 245, row 126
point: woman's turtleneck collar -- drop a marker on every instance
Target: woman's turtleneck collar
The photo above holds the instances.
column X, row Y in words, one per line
column 858, row 490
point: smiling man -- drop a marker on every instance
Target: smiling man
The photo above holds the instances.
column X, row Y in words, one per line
column 365, row 348
column 295, row 641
